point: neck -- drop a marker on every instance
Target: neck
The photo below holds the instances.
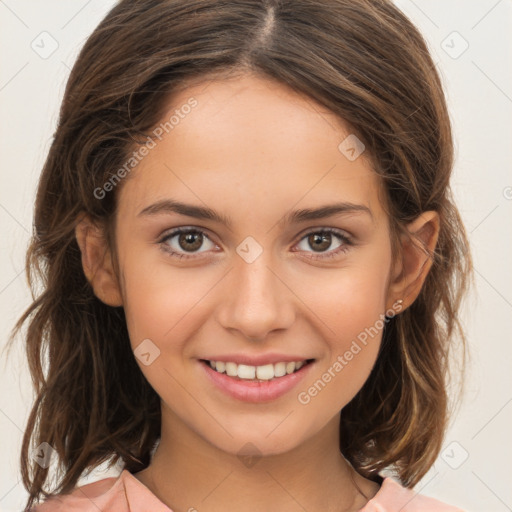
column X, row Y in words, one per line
column 187, row 473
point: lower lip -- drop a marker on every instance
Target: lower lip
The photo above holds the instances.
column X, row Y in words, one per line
column 263, row 391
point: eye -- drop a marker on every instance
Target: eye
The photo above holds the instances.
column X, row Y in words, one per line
column 322, row 239
column 188, row 240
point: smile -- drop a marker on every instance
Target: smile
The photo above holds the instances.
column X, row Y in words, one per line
column 255, row 383
column 257, row 373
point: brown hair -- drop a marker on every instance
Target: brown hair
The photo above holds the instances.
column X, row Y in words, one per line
column 364, row 61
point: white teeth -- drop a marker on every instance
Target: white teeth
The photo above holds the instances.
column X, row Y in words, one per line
column 264, row 372
column 246, row 372
column 232, row 369
column 279, row 369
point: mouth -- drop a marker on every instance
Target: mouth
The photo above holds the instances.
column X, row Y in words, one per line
column 256, row 384
column 263, row 373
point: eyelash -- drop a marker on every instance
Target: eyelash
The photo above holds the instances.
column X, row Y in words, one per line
column 345, row 239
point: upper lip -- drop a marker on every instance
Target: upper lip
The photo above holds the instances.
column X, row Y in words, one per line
column 258, row 360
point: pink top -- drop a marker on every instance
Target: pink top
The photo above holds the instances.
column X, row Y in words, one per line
column 127, row 494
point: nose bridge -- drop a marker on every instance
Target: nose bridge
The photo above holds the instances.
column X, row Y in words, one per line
column 256, row 300
column 255, row 283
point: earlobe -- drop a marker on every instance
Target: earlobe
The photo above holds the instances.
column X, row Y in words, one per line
column 97, row 262
column 416, row 258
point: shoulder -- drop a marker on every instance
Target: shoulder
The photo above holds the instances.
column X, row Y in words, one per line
column 124, row 493
column 106, row 494
column 393, row 496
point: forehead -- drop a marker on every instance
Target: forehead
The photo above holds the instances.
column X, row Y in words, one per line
column 255, row 109
column 255, row 138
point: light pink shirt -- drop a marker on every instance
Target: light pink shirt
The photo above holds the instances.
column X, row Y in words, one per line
column 127, row 494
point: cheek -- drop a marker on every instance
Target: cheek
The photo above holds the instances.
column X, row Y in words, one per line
column 346, row 300
column 350, row 308
column 163, row 305
column 160, row 302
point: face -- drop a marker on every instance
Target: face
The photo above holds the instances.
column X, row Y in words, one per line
column 264, row 281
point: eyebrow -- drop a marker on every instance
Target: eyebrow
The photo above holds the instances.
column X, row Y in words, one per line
column 203, row 212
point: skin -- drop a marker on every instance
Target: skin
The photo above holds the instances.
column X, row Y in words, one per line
column 253, row 150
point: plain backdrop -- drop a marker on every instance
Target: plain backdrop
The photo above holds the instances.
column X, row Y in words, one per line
column 471, row 42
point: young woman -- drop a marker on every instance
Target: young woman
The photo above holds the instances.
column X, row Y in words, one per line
column 251, row 263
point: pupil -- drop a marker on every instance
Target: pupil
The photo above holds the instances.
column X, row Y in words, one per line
column 188, row 238
column 325, row 238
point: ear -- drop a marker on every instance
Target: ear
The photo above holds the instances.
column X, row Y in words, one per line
column 97, row 262
column 415, row 262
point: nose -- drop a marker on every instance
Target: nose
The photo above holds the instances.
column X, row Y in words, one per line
column 255, row 301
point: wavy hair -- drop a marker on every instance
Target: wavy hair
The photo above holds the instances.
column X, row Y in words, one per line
column 361, row 59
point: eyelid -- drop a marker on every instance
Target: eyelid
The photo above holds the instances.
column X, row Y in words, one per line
column 325, row 229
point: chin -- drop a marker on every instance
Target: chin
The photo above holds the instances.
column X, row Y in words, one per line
column 258, row 444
